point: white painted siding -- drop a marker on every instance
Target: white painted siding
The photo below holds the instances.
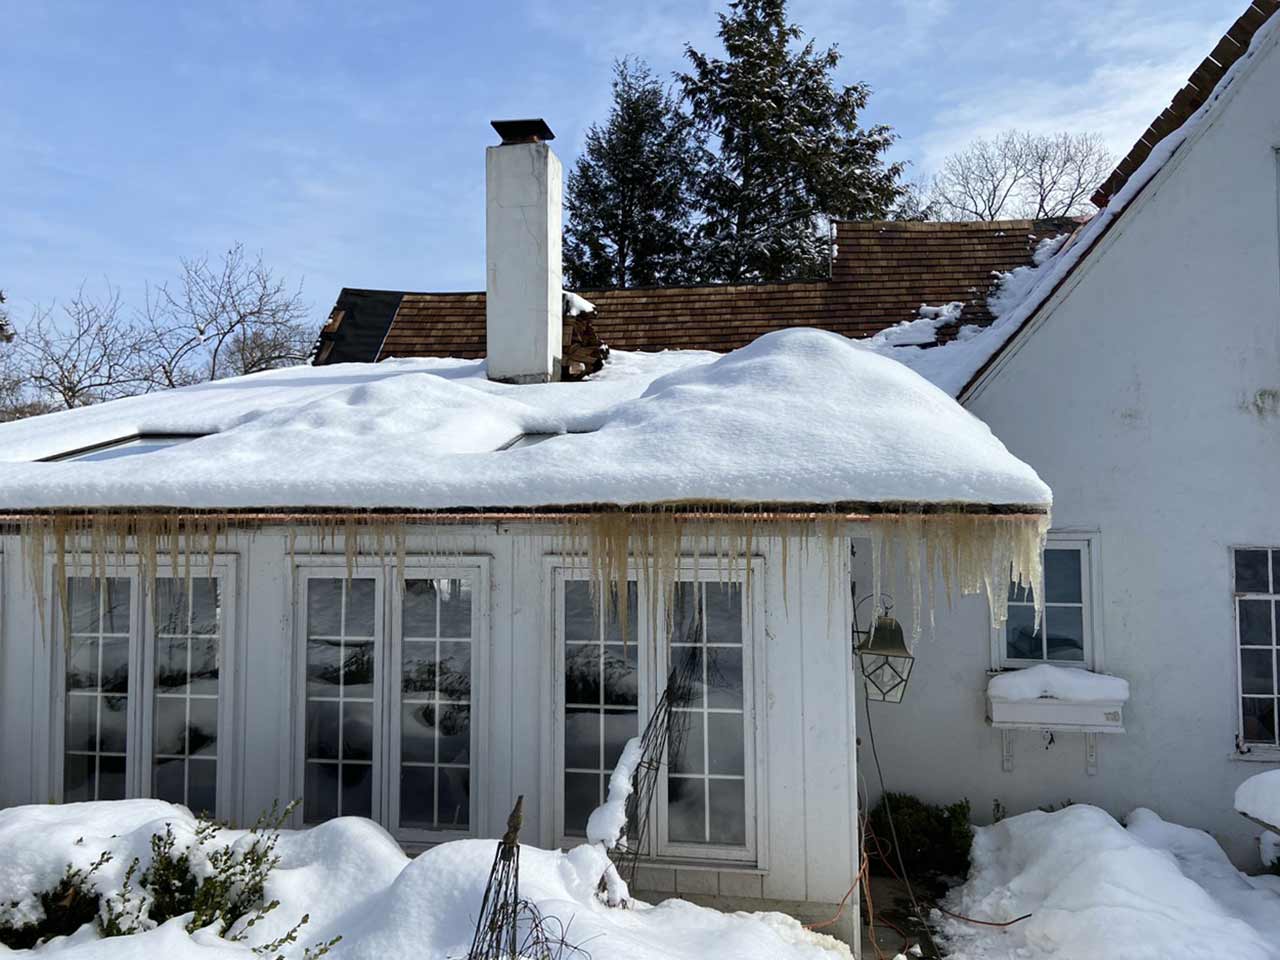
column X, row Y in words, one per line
column 1137, row 399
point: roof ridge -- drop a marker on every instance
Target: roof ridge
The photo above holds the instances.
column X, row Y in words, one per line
column 1193, row 95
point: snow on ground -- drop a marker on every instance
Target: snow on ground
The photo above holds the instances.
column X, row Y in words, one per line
column 1259, row 798
column 798, row 416
column 354, row 881
column 1097, row 890
column 1060, row 683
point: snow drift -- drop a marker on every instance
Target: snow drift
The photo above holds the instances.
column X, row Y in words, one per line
column 354, row 881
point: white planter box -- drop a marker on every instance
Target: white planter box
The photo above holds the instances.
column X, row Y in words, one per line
column 1050, row 714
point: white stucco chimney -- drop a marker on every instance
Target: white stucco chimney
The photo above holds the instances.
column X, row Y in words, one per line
column 523, row 319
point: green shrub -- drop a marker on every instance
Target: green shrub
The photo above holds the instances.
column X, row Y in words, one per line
column 935, row 840
column 71, row 904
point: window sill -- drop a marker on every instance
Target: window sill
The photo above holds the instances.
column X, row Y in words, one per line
column 1257, row 754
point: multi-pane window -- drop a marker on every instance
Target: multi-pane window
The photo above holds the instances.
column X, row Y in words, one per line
column 1257, row 595
column 185, row 727
column 389, row 676
column 1063, row 635
column 142, row 679
column 706, row 785
column 435, row 705
column 698, row 648
column 601, row 697
column 96, row 735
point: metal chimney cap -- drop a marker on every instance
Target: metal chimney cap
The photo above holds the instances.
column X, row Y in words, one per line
column 522, row 131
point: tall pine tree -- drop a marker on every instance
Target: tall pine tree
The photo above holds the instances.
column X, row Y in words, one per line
column 787, row 154
column 629, row 194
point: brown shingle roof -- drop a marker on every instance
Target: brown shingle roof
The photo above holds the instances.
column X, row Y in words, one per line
column 1192, row 96
column 881, row 273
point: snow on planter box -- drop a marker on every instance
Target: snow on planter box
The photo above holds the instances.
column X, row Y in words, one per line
column 1050, row 697
column 1258, row 798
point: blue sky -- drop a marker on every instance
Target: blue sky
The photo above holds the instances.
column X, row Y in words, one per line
column 347, row 144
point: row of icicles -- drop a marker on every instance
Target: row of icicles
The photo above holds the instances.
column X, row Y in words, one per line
column 964, row 553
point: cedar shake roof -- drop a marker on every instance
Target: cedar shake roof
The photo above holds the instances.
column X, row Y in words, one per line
column 1192, row 96
column 881, row 274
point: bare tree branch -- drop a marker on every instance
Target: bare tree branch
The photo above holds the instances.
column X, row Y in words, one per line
column 1021, row 175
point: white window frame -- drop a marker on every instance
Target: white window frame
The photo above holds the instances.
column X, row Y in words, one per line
column 1087, row 542
column 653, row 670
column 388, row 617
column 1258, row 748
column 139, row 758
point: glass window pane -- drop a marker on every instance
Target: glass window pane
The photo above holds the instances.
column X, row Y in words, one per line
column 320, row 792
column 324, row 607
column 79, row 779
column 357, row 789
column 455, row 798
column 1062, row 576
column 1066, row 633
column 169, row 725
column 1021, row 640
column 455, row 733
column 82, row 664
column 686, row 681
column 357, row 668
column 686, row 810
column 1256, row 671
column 724, row 612
column 579, row 613
column 621, row 668
column 202, row 728
column 419, row 609
column 418, row 733
column 418, row 670
column 171, row 606
column 613, row 631
column 455, row 608
column 357, row 730
column 169, row 780
column 619, row 727
column 686, row 626
column 725, row 747
column 1251, row 571
column 115, row 664
column 85, row 602
column 727, row 799
column 455, row 670
column 360, row 612
column 115, row 608
column 1255, row 623
column 581, row 796
column 724, row 677
column 202, row 785
column 322, row 730
column 113, row 725
column 171, row 664
column 417, row 797
column 204, row 664
column 1259, row 719
column 582, row 738
column 582, row 673
column 205, row 605
column 82, row 724
column 687, row 742
column 323, row 673
column 110, row 778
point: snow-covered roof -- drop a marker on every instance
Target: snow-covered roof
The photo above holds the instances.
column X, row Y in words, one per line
column 798, row 417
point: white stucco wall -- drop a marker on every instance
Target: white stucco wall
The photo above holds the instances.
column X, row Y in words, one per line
column 803, row 715
column 1140, row 397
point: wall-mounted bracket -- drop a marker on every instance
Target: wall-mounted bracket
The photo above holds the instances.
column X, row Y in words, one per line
column 1006, row 750
column 1091, row 754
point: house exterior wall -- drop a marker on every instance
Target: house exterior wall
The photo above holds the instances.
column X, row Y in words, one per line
column 805, row 790
column 1145, row 397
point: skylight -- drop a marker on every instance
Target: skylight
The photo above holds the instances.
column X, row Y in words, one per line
column 126, row 447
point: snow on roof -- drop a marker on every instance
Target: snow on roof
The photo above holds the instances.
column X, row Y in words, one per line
column 799, row 416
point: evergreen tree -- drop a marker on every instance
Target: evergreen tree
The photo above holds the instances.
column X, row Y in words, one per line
column 788, row 153
column 628, row 195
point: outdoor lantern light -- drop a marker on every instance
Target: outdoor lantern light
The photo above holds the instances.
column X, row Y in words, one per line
column 886, row 661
